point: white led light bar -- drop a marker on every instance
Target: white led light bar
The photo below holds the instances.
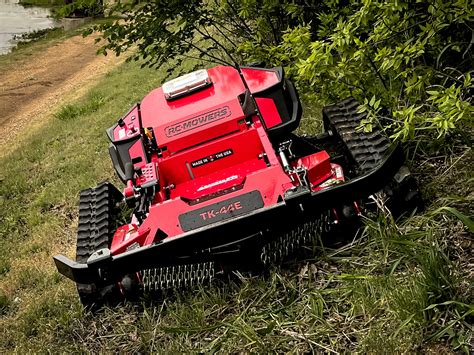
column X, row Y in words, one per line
column 186, row 84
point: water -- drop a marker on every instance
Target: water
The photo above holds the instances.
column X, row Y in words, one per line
column 16, row 19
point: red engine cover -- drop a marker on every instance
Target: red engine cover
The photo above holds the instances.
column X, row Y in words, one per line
column 179, row 123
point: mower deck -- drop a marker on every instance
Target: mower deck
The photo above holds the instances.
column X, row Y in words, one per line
column 256, row 228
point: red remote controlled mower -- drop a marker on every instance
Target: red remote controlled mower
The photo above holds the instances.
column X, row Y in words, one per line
column 216, row 177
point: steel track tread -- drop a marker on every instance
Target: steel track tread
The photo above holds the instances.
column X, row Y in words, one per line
column 366, row 148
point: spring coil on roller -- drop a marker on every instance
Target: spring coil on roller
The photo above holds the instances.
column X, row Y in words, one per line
column 178, row 276
column 303, row 235
column 183, row 276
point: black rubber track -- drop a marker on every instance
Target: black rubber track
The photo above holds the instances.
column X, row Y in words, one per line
column 97, row 211
column 366, row 148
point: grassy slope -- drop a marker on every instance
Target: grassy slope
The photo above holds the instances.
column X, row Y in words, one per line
column 371, row 295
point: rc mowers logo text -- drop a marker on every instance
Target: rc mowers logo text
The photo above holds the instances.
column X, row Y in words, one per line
column 197, row 121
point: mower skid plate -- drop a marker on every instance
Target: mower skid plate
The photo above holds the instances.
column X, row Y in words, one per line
column 75, row 271
column 254, row 228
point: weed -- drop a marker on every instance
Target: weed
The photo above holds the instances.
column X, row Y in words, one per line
column 5, row 303
column 69, row 112
column 37, row 35
column 72, row 111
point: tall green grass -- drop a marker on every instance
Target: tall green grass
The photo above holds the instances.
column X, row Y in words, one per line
column 400, row 287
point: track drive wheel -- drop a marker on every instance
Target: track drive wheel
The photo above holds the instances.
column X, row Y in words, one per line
column 367, row 150
column 97, row 223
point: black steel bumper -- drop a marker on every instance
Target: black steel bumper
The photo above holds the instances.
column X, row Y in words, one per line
column 258, row 227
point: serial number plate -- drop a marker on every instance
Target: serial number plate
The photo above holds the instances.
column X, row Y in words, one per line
column 221, row 210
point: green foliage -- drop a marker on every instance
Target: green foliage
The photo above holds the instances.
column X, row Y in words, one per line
column 415, row 58
column 80, row 8
column 43, row 3
column 211, row 31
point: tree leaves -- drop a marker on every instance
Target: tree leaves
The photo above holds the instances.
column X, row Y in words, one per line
column 409, row 58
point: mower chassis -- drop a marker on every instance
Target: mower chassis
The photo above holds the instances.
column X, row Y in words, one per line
column 250, row 231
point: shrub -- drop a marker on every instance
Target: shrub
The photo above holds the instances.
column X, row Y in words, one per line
column 411, row 58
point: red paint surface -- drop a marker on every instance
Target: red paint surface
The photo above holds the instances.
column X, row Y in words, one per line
column 318, row 165
column 160, row 114
column 269, row 111
column 131, row 127
column 258, row 79
column 253, row 164
column 337, row 177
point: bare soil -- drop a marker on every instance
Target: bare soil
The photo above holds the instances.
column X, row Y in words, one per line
column 33, row 88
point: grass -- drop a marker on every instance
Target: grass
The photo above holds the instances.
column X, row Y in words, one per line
column 400, row 287
column 28, row 37
column 43, row 3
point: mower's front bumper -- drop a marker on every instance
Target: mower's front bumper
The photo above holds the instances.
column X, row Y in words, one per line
column 255, row 228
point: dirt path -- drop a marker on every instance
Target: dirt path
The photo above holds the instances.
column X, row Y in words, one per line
column 33, row 88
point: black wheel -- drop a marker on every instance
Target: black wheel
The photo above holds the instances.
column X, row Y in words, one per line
column 367, row 150
column 97, row 223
